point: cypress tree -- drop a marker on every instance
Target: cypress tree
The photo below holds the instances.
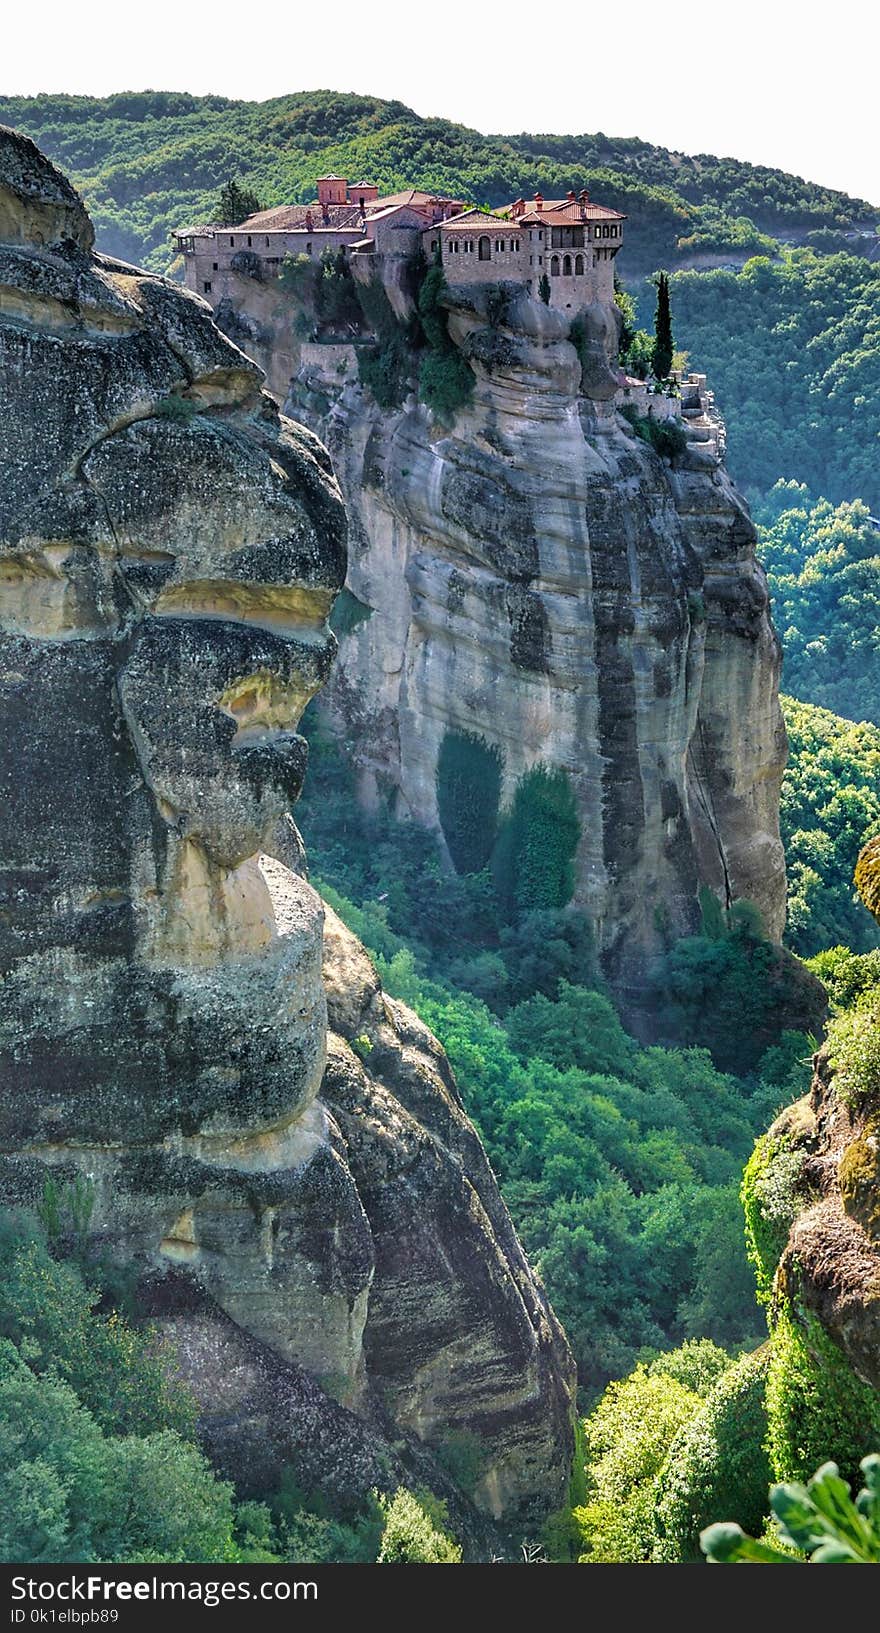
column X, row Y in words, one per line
column 661, row 357
column 235, row 204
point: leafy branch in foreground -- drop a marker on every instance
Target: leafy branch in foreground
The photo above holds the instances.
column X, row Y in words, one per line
column 819, row 1519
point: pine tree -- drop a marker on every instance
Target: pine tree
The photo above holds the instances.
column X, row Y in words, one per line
column 664, row 345
column 235, row 204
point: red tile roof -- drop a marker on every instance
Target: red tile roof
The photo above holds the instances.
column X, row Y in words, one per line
column 289, row 217
column 476, row 221
column 560, row 212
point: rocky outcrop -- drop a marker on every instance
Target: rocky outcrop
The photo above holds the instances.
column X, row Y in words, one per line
column 824, row 1153
column 306, row 1208
column 543, row 579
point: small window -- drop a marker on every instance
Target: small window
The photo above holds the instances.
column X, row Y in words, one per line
column 501, row 245
column 308, row 249
column 250, row 242
column 267, row 242
column 216, row 266
column 207, row 286
column 578, row 266
column 540, row 260
column 232, row 241
column 540, row 235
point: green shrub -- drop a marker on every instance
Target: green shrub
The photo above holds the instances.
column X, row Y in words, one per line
column 410, row 1535
column 770, row 1200
column 667, row 437
column 116, row 1371
column 717, row 1466
column 533, row 864
column 735, row 992
column 71, row 1492
column 854, row 1053
column 816, row 1406
column 446, row 380
column 348, row 612
column 469, row 772
column 627, row 1438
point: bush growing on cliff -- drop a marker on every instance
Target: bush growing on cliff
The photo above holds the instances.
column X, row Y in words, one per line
column 816, row 1406
column 446, row 380
column 533, row 864
column 735, row 993
column 468, row 795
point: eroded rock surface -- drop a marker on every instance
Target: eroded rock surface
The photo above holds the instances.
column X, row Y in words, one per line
column 540, row 578
column 321, row 1236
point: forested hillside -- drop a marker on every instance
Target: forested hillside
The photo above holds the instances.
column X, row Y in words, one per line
column 150, row 161
column 792, row 349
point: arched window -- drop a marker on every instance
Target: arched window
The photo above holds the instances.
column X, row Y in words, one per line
column 554, row 266
column 578, row 266
column 566, row 266
column 485, row 250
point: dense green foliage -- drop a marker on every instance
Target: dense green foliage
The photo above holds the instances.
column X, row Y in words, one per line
column 621, row 1165
column 717, row 1466
column 819, row 1522
column 664, row 345
column 792, row 349
column 533, row 864
column 830, row 806
column 666, row 437
column 732, row 991
column 446, row 379
column 468, row 795
column 816, row 1406
column 96, row 1448
column 413, row 1532
column 670, row 1448
column 234, row 204
column 152, row 161
column 823, row 565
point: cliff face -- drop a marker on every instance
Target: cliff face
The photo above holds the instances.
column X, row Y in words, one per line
column 541, row 578
column 322, row 1237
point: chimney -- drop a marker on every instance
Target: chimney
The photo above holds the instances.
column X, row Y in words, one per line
column 585, row 197
column 570, row 196
column 539, row 201
column 310, row 225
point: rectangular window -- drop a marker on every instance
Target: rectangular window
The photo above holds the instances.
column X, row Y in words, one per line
column 207, row 286
column 540, row 260
column 308, row 249
column 231, row 241
column 216, row 266
column 250, row 242
column 501, row 244
column 267, row 243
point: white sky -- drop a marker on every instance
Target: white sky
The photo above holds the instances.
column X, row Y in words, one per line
column 793, row 85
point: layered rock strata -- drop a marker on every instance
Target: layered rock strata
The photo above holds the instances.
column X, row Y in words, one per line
column 541, row 578
column 318, row 1232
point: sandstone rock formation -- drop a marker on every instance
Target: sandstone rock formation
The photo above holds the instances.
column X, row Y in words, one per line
column 541, row 578
column 824, row 1154
column 318, row 1231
